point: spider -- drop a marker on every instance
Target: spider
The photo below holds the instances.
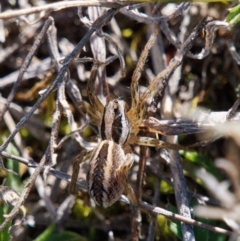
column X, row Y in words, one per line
column 112, row 159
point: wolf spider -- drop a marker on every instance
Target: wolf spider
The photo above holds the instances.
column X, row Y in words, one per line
column 112, row 159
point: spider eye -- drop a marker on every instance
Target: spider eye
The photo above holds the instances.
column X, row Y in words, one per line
column 115, row 105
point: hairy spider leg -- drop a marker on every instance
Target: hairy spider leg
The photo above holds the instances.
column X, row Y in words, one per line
column 95, row 102
column 84, row 155
column 95, row 109
column 153, row 142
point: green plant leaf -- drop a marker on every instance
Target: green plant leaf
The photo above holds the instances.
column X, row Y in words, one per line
column 4, row 235
column 13, row 180
column 202, row 161
column 178, row 1
column 81, row 210
column 175, row 226
column 234, row 15
column 50, row 235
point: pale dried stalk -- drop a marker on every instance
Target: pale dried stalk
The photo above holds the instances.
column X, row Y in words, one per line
column 63, row 5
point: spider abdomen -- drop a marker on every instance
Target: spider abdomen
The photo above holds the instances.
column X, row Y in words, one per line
column 107, row 174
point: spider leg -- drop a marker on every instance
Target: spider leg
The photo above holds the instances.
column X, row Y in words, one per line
column 124, row 169
column 76, row 168
column 175, row 127
column 152, row 142
column 95, row 102
column 159, row 83
column 94, row 116
column 132, row 196
column 126, row 164
column 135, row 114
column 95, row 109
column 161, row 80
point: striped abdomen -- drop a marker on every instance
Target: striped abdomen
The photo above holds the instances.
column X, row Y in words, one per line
column 107, row 176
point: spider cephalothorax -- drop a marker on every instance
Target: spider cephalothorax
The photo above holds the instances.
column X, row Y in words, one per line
column 115, row 124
